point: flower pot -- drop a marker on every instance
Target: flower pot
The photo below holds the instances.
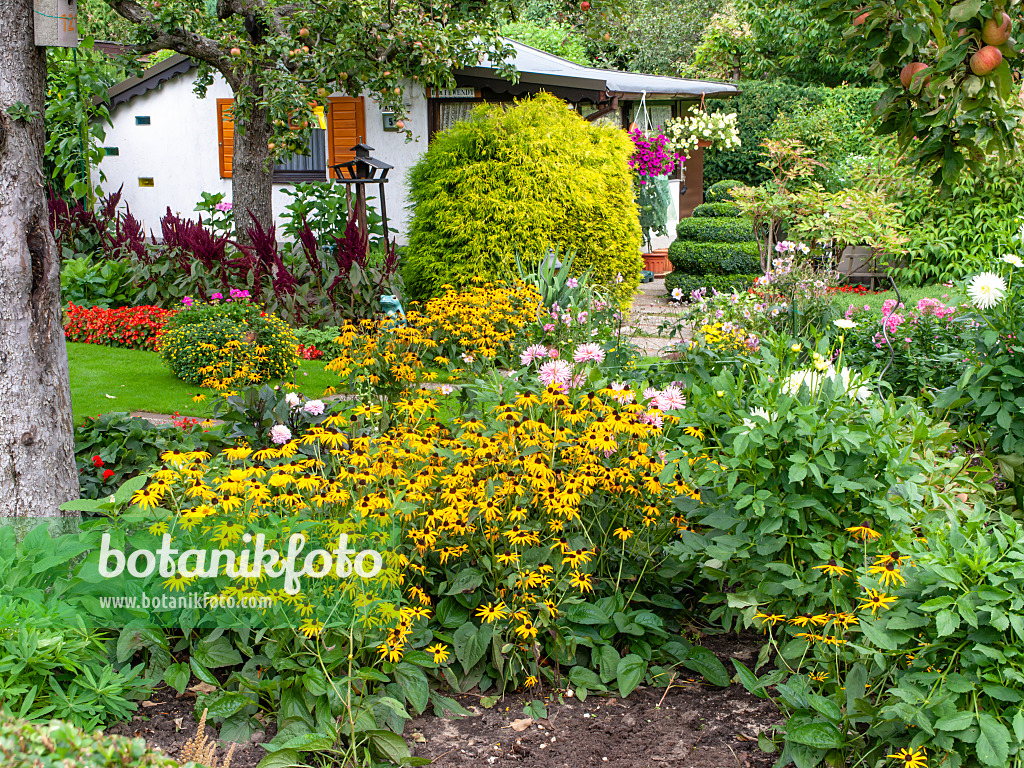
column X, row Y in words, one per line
column 703, row 143
column 657, row 262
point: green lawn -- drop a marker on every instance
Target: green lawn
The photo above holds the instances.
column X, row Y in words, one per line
column 910, row 297
column 105, row 379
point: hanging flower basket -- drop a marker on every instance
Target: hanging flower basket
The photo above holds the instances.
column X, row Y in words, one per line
column 702, row 130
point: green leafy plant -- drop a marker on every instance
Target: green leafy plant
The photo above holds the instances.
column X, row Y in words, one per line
column 105, row 284
column 563, row 170
column 54, row 659
column 220, row 216
column 951, row 236
column 114, row 447
column 993, row 380
column 802, row 451
column 325, row 207
column 62, row 743
column 929, row 671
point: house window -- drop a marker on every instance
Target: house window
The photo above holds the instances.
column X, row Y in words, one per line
column 311, row 166
column 346, row 127
column 452, row 112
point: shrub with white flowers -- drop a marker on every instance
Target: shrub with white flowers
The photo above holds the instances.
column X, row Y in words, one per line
column 718, row 128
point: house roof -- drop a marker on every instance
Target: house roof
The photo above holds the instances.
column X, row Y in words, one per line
column 535, row 67
column 542, row 68
column 151, row 78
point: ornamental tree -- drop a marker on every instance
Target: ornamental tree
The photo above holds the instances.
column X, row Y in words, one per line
column 961, row 107
column 282, row 58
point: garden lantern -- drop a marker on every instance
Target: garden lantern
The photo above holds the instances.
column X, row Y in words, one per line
column 361, row 171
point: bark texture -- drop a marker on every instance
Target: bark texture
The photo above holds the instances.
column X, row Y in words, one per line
column 251, row 169
column 37, row 459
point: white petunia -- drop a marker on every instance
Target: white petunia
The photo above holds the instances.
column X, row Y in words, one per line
column 986, row 290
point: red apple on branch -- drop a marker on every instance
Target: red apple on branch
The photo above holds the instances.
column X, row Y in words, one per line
column 908, row 72
column 986, row 60
column 997, row 31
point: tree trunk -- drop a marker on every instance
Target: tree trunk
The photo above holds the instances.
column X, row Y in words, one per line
column 37, row 457
column 251, row 169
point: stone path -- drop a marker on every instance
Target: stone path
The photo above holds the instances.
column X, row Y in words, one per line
column 651, row 308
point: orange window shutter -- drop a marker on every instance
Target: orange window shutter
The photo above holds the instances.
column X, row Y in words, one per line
column 346, row 127
column 225, row 135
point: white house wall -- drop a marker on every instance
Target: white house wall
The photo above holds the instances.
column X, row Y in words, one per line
column 179, row 151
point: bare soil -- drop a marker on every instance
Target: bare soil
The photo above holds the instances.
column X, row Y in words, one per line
column 696, row 726
column 693, row 725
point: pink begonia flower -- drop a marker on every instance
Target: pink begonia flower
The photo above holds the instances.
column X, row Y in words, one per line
column 548, row 327
column 280, row 434
column 216, row 297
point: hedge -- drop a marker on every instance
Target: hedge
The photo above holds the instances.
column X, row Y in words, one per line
column 519, row 181
column 720, row 283
column 710, row 210
column 756, row 108
column 715, row 230
column 721, row 191
column 696, row 258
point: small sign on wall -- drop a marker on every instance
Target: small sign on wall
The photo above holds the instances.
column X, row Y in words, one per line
column 390, row 121
column 56, row 23
column 453, row 93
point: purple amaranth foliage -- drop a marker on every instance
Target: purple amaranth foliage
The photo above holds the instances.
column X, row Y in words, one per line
column 72, row 223
column 651, row 158
column 350, row 247
column 190, row 242
column 348, row 250
column 129, row 238
column 309, row 245
column 263, row 251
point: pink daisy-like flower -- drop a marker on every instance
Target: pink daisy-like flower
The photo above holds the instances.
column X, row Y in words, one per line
column 588, row 353
column 554, row 372
column 553, row 353
column 532, row 353
column 670, row 399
